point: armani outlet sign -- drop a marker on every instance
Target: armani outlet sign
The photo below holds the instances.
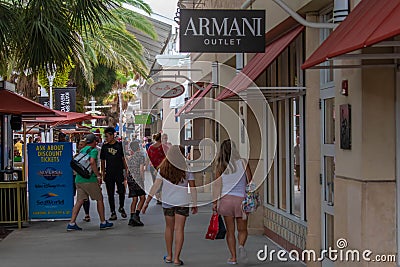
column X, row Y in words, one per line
column 216, row 30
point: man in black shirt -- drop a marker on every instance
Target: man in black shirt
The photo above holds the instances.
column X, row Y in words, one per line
column 112, row 164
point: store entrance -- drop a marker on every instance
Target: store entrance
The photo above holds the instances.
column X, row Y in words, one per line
column 327, row 170
column 197, row 136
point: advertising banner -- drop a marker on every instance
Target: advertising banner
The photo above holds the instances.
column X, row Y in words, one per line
column 50, row 181
column 222, row 31
column 143, row 119
column 65, row 99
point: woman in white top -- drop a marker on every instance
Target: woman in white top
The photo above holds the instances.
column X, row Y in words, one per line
column 174, row 179
column 229, row 191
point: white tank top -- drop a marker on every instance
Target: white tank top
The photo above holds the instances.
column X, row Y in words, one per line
column 234, row 184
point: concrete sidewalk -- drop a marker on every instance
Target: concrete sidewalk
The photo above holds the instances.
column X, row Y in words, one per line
column 49, row 244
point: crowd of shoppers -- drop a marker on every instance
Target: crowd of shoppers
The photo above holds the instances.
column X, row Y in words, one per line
column 171, row 178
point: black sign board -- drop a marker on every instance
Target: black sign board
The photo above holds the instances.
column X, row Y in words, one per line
column 44, row 100
column 65, row 99
column 222, row 31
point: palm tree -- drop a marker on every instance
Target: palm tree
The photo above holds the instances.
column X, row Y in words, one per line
column 48, row 33
column 112, row 46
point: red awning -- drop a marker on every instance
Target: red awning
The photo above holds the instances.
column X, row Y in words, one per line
column 187, row 103
column 12, row 103
column 370, row 22
column 197, row 99
column 65, row 118
column 258, row 64
column 98, row 117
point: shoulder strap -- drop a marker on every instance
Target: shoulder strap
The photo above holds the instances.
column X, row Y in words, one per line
column 245, row 168
column 87, row 152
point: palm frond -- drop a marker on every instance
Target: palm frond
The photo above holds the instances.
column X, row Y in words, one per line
column 43, row 37
column 7, row 23
column 137, row 3
column 137, row 21
column 84, row 65
column 89, row 15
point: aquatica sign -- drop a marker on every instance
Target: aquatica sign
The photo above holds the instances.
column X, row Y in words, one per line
column 216, row 30
column 167, row 89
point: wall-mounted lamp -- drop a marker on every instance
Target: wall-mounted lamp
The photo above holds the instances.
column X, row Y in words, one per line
column 171, row 60
column 345, row 88
column 214, row 74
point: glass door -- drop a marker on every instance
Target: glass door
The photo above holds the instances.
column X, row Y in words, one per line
column 327, row 170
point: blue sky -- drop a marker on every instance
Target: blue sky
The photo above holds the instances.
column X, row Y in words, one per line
column 166, row 8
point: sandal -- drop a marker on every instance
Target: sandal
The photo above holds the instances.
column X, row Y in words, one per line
column 167, row 260
column 231, row 262
column 178, row 264
column 87, row 218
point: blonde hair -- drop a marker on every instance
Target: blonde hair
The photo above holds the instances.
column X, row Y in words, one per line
column 173, row 167
column 227, row 157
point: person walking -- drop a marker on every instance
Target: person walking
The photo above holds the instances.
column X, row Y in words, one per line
column 228, row 193
column 164, row 140
column 148, row 144
column 136, row 165
column 112, row 165
column 86, row 204
column 173, row 177
column 89, row 187
column 156, row 154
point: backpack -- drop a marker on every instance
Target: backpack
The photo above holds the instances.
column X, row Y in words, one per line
column 251, row 201
column 81, row 164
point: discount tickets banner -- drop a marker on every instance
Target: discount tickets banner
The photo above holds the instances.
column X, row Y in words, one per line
column 50, row 181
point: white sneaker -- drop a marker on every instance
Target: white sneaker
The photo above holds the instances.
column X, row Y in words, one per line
column 243, row 254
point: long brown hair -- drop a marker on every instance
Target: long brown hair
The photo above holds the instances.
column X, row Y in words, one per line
column 157, row 137
column 227, row 157
column 173, row 167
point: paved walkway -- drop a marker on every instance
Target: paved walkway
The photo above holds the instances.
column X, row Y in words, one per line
column 41, row 244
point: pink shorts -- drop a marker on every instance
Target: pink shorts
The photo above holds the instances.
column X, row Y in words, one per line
column 230, row 206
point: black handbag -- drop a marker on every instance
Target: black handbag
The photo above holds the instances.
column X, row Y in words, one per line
column 81, row 169
column 221, row 228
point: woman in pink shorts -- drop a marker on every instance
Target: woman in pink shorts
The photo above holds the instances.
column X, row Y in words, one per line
column 229, row 190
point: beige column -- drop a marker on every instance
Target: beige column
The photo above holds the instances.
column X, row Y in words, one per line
column 365, row 188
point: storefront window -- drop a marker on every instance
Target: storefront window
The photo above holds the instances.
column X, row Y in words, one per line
column 271, row 187
column 329, row 179
column 326, row 74
column 284, row 188
column 329, row 231
column 329, row 131
column 297, row 155
column 282, row 156
column 188, row 129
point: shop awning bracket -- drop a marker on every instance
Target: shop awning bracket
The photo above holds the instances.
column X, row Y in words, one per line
column 182, row 76
column 272, row 94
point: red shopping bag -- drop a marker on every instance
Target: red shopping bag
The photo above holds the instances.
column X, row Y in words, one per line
column 213, row 227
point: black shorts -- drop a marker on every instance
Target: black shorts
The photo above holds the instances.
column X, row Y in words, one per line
column 184, row 211
column 135, row 190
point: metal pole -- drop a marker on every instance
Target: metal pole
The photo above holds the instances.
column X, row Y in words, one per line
column 51, row 74
column 120, row 112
